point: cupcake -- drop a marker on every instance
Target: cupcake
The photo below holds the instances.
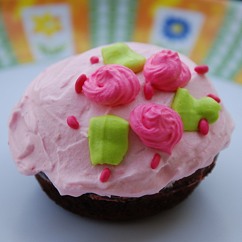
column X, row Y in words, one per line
column 121, row 131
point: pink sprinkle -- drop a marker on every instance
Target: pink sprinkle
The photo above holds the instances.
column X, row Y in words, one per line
column 216, row 98
column 203, row 127
column 201, row 69
column 79, row 83
column 94, row 59
column 155, row 161
column 72, row 122
column 105, row 174
column 148, row 91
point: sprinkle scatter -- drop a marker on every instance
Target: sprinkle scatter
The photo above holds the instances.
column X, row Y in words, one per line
column 72, row 122
column 155, row 161
column 203, row 127
column 80, row 82
column 148, row 91
column 202, row 69
column 94, row 59
column 105, row 175
column 216, row 98
column 158, row 126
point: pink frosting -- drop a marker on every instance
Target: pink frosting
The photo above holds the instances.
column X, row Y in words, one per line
column 166, row 72
column 112, row 85
column 41, row 140
column 157, row 126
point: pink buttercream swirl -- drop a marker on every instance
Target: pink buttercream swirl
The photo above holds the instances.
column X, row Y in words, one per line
column 157, row 126
column 166, row 72
column 112, row 85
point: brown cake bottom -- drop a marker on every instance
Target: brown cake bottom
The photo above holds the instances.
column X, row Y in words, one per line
column 125, row 208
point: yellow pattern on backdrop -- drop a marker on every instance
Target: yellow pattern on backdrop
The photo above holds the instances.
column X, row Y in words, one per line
column 47, row 24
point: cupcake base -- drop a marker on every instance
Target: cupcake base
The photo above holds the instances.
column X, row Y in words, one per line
column 125, row 208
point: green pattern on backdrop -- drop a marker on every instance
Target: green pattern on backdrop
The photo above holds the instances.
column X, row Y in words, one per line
column 111, row 20
column 225, row 57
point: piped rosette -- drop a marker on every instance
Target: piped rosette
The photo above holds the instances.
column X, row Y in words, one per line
column 112, row 85
column 165, row 71
column 157, row 126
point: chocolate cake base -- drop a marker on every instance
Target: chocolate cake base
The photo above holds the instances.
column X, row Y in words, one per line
column 125, row 208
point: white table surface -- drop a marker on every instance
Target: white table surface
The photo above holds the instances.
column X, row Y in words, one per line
column 213, row 213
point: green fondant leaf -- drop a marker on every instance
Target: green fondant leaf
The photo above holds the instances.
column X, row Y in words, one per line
column 121, row 54
column 192, row 110
column 108, row 139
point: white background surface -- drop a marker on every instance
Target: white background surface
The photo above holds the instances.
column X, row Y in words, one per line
column 213, row 213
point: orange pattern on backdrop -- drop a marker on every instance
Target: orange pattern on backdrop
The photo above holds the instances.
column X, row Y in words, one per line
column 144, row 21
column 11, row 11
column 213, row 10
column 80, row 22
column 238, row 77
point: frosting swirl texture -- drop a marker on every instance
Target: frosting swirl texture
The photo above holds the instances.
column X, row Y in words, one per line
column 166, row 72
column 157, row 126
column 49, row 145
column 112, row 85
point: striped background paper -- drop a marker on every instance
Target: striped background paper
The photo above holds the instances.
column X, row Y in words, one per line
column 208, row 31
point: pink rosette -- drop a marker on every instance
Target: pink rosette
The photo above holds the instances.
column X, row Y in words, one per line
column 166, row 72
column 112, row 85
column 157, row 126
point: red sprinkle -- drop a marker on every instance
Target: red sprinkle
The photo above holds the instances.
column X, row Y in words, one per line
column 79, row 83
column 105, row 174
column 148, row 91
column 155, row 161
column 216, row 98
column 72, row 122
column 201, row 69
column 94, row 59
column 203, row 127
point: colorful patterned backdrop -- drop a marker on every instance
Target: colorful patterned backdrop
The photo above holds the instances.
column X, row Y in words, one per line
column 208, row 31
